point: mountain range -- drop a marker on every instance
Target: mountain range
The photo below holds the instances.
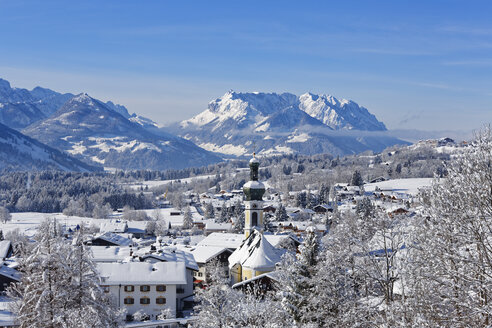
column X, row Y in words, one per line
column 98, row 133
column 104, row 134
column 275, row 124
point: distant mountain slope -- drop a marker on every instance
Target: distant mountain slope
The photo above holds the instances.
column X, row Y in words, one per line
column 20, row 108
column 92, row 131
column 22, row 153
column 270, row 123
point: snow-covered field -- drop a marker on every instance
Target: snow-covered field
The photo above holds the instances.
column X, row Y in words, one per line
column 406, row 186
column 157, row 183
column 28, row 222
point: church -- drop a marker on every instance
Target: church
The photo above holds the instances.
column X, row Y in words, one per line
column 256, row 255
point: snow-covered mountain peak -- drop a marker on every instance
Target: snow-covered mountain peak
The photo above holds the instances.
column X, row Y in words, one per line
column 339, row 113
column 83, row 98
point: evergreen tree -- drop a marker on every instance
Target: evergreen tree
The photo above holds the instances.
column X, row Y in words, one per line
column 357, row 179
column 239, row 223
column 187, row 219
column 281, row 213
column 209, row 211
column 296, row 279
column 59, row 286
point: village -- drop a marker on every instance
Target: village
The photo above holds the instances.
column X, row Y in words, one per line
column 152, row 269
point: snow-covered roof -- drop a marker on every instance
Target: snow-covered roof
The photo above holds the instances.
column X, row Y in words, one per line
column 256, row 253
column 113, row 226
column 234, row 240
column 110, row 253
column 203, row 254
column 254, row 185
column 227, row 240
column 169, row 254
column 114, row 239
column 212, row 225
column 138, row 273
column 275, row 240
column 9, row 272
column 136, row 225
column 302, row 225
column 4, row 248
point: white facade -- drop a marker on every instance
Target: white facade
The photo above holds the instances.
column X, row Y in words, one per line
column 150, row 287
column 119, row 295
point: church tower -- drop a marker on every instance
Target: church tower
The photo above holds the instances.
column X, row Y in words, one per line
column 253, row 191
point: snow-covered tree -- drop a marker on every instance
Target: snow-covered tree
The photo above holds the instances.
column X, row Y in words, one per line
column 296, row 282
column 239, row 223
column 59, row 286
column 452, row 281
column 209, row 211
column 102, row 211
column 161, row 228
column 356, row 179
column 221, row 306
column 87, row 304
column 281, row 214
column 5, row 215
column 187, row 219
column 150, row 227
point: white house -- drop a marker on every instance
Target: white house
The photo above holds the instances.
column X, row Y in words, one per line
column 151, row 287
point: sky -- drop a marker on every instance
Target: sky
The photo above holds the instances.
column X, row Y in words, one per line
column 423, row 65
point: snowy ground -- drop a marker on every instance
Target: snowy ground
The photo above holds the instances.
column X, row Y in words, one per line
column 6, row 317
column 404, row 186
column 157, row 183
column 29, row 221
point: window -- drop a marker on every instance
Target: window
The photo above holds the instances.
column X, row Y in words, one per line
column 105, row 289
column 160, row 300
column 144, row 288
column 129, row 300
column 254, row 219
column 160, row 288
column 129, row 289
column 144, row 300
column 180, row 290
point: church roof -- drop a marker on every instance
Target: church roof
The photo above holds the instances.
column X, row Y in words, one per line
column 256, row 253
column 254, row 160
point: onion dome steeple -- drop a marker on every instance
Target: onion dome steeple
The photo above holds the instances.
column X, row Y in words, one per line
column 254, row 189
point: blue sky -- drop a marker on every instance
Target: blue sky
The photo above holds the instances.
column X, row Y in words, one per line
column 415, row 64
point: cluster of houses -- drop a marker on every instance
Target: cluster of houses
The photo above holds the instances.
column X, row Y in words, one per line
column 158, row 276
